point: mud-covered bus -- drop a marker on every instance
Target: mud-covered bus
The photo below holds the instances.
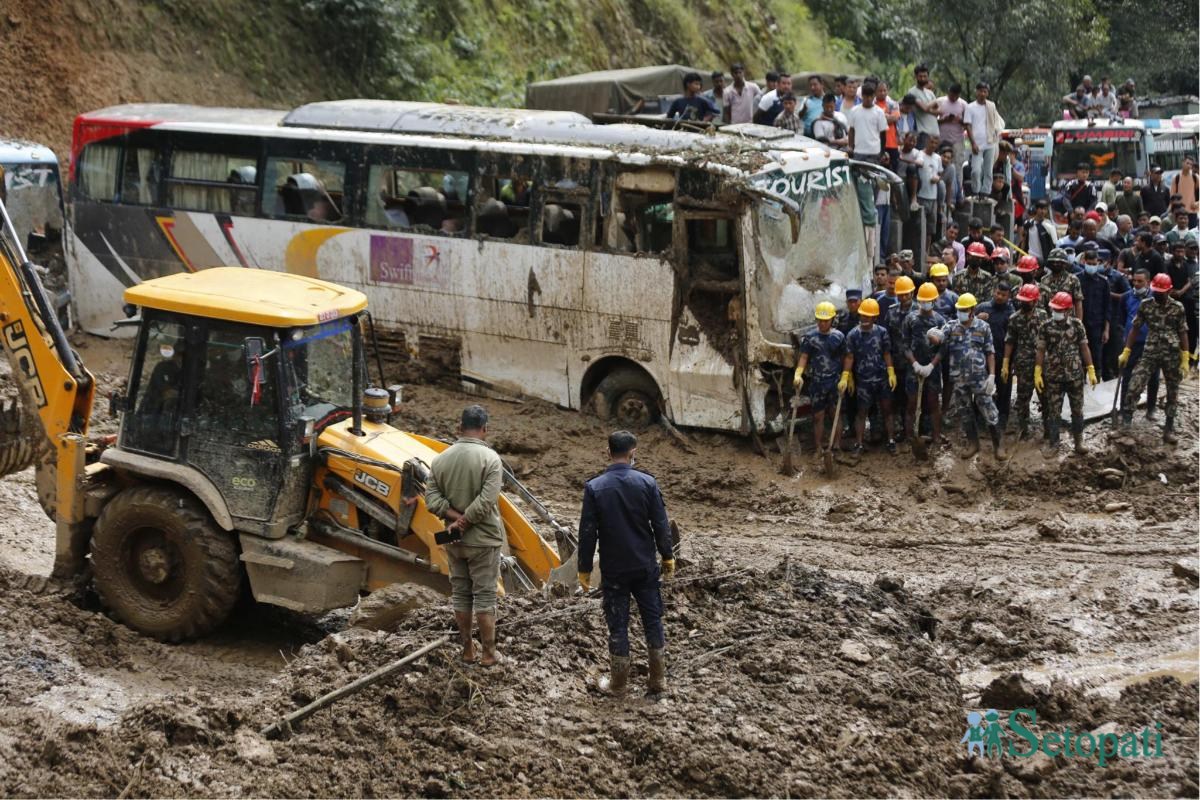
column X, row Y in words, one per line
column 630, row 270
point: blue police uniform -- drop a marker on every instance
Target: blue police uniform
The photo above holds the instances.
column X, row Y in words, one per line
column 966, row 347
column 997, row 320
column 623, row 512
column 870, row 370
column 944, row 305
column 915, row 330
column 825, row 353
column 1096, row 305
column 1118, row 285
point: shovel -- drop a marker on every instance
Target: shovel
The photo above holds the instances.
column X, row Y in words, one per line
column 918, row 444
column 837, row 420
column 1116, row 396
column 787, row 468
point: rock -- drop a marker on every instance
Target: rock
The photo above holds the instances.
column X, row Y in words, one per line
column 1009, row 691
column 1032, row 769
column 855, row 651
column 384, row 608
column 253, row 749
column 889, row 582
column 1112, row 508
column 1048, row 530
column 1187, row 569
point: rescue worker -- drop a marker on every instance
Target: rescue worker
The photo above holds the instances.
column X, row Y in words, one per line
column 1028, row 269
column 1020, row 356
column 1001, row 267
column 1094, row 287
column 976, row 279
column 1061, row 279
column 821, row 353
column 939, row 274
column 1132, row 301
column 868, row 363
column 924, row 360
column 464, row 490
column 623, row 512
column 967, row 345
column 1062, row 354
column 996, row 313
column 1166, row 328
column 893, row 320
column 845, row 322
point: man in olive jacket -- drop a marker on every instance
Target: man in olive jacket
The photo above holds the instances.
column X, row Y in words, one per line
column 464, row 489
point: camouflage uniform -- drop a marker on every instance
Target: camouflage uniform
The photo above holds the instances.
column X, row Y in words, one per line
column 845, row 321
column 1062, row 370
column 1062, row 281
column 870, row 370
column 944, row 305
column 893, row 320
column 1165, row 323
column 913, row 333
column 966, row 348
column 1012, row 279
column 1023, row 336
column 825, row 353
column 980, row 284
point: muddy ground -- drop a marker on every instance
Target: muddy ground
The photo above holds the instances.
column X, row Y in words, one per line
column 826, row 637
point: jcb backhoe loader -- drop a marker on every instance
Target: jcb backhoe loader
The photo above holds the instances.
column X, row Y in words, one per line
column 248, row 445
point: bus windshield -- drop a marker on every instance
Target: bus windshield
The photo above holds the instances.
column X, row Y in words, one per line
column 1103, row 157
column 827, row 257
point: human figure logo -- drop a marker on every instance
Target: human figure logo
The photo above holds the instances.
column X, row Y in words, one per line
column 986, row 737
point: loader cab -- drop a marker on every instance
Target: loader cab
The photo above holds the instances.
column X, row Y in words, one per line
column 235, row 372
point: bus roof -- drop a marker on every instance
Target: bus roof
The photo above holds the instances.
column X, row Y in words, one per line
column 1083, row 124
column 253, row 296
column 19, row 151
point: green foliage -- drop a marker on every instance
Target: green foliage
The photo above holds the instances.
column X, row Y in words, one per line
column 1152, row 41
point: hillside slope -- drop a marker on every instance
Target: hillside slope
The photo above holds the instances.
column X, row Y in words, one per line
column 61, row 57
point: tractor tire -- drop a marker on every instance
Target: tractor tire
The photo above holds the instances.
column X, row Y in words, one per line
column 162, row 566
column 628, row 398
column 17, row 443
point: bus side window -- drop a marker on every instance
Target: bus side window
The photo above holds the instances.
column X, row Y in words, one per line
column 98, row 171
column 419, row 200
column 139, row 179
column 712, row 249
column 642, row 222
column 302, row 188
column 200, row 181
column 502, row 208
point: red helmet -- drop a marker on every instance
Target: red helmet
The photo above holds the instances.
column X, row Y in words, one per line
column 1161, row 283
column 1027, row 264
column 1000, row 254
column 1029, row 293
column 1062, row 301
column 976, row 249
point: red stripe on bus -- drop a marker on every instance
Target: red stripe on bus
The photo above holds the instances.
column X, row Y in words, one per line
column 86, row 130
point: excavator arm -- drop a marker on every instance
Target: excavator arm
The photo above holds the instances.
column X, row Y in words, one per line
column 55, row 390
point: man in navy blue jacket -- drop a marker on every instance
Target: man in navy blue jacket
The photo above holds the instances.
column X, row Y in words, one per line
column 623, row 512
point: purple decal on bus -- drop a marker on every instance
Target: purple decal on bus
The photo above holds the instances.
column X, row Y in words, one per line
column 391, row 260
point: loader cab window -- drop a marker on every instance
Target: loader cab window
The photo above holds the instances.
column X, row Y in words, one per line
column 236, row 401
column 317, row 365
column 153, row 425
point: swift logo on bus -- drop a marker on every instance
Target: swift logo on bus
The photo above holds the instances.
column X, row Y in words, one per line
column 797, row 184
column 16, row 341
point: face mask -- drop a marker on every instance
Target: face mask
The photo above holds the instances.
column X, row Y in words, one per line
column 1058, row 316
column 1057, row 266
column 166, row 351
column 926, row 305
column 1141, row 292
column 1091, row 269
column 866, row 324
column 1160, row 297
column 964, row 316
column 1026, row 308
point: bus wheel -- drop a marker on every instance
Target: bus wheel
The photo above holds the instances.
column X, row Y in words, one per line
column 162, row 566
column 627, row 397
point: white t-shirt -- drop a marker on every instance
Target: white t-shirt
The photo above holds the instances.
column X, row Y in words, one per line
column 976, row 116
column 867, row 122
column 929, row 170
column 768, row 100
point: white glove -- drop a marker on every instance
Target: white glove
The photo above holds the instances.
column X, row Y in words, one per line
column 922, row 370
column 934, row 336
column 989, row 386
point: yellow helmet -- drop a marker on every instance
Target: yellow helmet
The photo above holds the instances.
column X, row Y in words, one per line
column 904, row 285
column 927, row 293
column 825, row 310
column 869, row 308
column 939, row 271
column 965, row 301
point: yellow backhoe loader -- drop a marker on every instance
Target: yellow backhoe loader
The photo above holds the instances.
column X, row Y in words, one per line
column 249, row 445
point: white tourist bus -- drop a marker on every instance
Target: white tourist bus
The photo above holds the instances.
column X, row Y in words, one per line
column 615, row 267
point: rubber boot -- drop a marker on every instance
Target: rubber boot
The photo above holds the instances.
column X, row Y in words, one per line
column 1126, row 419
column 657, row 683
column 998, row 443
column 487, row 637
column 463, row 620
column 1023, row 432
column 1077, row 436
column 972, row 433
column 617, row 681
column 1169, row 436
column 1052, row 436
